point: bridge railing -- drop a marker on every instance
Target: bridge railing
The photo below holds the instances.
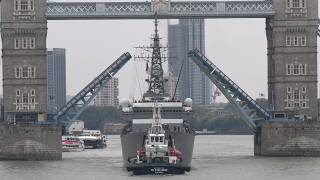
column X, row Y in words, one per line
column 173, row 9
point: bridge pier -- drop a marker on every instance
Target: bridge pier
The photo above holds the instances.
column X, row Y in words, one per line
column 287, row 138
column 30, row 142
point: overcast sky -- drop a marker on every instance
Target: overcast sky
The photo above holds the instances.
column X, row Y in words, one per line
column 237, row 46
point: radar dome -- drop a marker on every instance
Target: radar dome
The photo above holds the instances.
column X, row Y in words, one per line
column 124, row 102
column 188, row 102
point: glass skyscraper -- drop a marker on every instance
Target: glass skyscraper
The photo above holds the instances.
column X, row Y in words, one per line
column 56, row 79
column 188, row 34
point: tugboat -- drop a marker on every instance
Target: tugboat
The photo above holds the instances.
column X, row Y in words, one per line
column 158, row 154
column 148, row 146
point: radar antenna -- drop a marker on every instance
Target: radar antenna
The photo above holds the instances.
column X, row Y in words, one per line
column 156, row 80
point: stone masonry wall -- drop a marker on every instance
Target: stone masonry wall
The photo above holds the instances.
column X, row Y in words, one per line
column 287, row 138
column 30, row 142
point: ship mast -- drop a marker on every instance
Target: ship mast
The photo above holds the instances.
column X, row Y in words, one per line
column 156, row 127
column 156, row 80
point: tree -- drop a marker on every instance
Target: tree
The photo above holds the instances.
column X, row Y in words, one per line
column 95, row 117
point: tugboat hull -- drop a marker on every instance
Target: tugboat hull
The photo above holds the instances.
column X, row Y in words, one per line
column 157, row 169
column 132, row 141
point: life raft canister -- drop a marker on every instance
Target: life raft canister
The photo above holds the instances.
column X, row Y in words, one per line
column 142, row 152
column 175, row 152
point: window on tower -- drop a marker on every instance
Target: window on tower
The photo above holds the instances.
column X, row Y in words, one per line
column 17, row 43
column 303, row 3
column 303, row 41
column 297, row 98
column 302, row 69
column 288, row 3
column 32, row 71
column 32, row 43
column 24, row 5
column 288, row 41
column 296, row 69
column 25, row 100
column 25, row 97
column 289, row 69
column 18, row 92
column 25, row 72
column 296, row 4
column 33, row 92
column 296, row 94
column 296, row 8
column 25, row 43
column 17, row 72
column 296, row 40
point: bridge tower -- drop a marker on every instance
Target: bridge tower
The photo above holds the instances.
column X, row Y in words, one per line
column 292, row 58
column 24, row 33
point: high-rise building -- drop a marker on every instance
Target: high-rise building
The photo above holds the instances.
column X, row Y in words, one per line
column 109, row 94
column 56, row 79
column 182, row 37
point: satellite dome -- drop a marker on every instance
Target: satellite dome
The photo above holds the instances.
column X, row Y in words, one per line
column 188, row 102
column 124, row 102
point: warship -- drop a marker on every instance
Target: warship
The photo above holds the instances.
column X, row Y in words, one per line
column 143, row 153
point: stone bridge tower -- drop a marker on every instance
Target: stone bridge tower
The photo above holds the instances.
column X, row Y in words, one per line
column 24, row 33
column 292, row 58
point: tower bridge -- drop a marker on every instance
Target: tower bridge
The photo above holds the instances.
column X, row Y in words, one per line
column 165, row 9
column 291, row 31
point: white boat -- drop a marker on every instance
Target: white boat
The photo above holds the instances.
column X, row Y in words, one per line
column 72, row 144
column 93, row 139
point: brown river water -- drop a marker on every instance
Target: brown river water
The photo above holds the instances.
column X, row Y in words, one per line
column 219, row 157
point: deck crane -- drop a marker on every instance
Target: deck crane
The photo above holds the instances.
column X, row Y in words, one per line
column 73, row 108
column 247, row 107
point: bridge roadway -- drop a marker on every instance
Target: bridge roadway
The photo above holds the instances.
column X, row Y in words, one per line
column 165, row 9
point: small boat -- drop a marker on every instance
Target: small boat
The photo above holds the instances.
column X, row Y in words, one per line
column 93, row 139
column 72, row 144
column 158, row 154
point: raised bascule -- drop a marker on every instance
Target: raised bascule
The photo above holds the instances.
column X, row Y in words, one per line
column 291, row 31
column 71, row 111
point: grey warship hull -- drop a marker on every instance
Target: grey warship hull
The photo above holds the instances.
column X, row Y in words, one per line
column 175, row 117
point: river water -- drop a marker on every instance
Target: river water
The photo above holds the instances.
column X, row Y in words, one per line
column 215, row 157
